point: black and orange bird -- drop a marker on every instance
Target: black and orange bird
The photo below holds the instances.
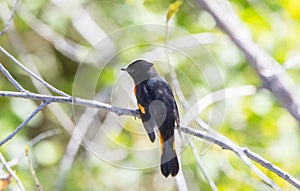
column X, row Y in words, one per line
column 158, row 109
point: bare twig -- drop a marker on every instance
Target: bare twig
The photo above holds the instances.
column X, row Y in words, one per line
column 76, row 141
column 268, row 165
column 12, row 13
column 180, row 180
column 292, row 62
column 32, row 171
column 43, row 135
column 36, row 111
column 256, row 170
column 271, row 73
column 229, row 146
column 11, row 172
column 11, row 79
column 207, row 177
column 71, row 100
column 31, row 73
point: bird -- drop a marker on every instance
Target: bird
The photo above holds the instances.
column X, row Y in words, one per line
column 158, row 110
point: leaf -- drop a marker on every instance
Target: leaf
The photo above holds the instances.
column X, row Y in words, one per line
column 4, row 182
column 173, row 8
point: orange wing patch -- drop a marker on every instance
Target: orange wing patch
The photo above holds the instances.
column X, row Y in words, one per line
column 142, row 109
column 174, row 146
column 161, row 140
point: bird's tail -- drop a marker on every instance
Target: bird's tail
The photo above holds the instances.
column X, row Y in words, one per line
column 169, row 161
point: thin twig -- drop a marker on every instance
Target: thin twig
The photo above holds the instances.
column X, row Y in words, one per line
column 256, row 170
column 12, row 13
column 180, row 180
column 196, row 154
column 32, row 171
column 11, row 172
column 31, row 73
column 291, row 62
column 36, row 111
column 42, row 136
column 268, row 165
column 241, row 176
column 11, row 79
column 76, row 141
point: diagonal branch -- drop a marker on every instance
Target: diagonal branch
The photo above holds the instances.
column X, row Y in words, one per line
column 11, row 79
column 11, row 57
column 198, row 160
column 229, row 145
column 12, row 13
column 274, row 78
column 11, row 172
column 32, row 171
column 36, row 111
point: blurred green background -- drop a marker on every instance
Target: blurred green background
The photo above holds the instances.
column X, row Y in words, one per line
column 80, row 46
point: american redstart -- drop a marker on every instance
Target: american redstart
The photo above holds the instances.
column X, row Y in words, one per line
column 158, row 109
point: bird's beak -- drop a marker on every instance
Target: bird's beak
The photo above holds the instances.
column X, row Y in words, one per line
column 124, row 69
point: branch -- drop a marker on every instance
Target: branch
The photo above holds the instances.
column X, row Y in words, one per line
column 180, row 180
column 207, row 177
column 43, row 135
column 11, row 172
column 229, row 145
column 36, row 111
column 47, row 99
column 71, row 100
column 32, row 171
column 274, row 78
column 12, row 13
column 31, row 73
column 11, row 79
